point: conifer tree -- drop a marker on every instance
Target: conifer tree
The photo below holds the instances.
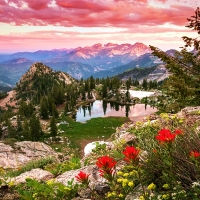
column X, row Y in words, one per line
column 104, row 92
column 1, row 132
column 92, row 83
column 182, row 86
column 11, row 130
column 19, row 124
column 54, row 111
column 145, row 84
column 53, row 127
column 35, row 129
column 26, row 130
column 44, row 111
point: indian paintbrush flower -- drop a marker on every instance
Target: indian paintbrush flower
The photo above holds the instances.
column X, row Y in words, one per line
column 82, row 177
column 178, row 132
column 131, row 154
column 195, row 154
column 165, row 136
column 106, row 165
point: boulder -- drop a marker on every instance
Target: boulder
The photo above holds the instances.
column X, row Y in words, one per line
column 188, row 111
column 22, row 152
column 91, row 169
column 37, row 174
column 96, row 181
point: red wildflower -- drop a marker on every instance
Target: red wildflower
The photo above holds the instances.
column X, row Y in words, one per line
column 82, row 177
column 154, row 151
column 195, row 154
column 131, row 154
column 178, row 132
column 165, row 135
column 106, row 164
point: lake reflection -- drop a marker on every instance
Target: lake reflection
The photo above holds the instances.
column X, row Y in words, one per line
column 104, row 109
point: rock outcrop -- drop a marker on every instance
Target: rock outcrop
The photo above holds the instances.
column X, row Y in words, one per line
column 96, row 181
column 37, row 174
column 22, row 152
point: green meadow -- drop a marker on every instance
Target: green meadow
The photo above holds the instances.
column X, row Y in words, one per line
column 92, row 130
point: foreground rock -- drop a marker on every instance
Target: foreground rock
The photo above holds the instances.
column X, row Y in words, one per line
column 22, row 152
column 96, row 181
column 37, row 174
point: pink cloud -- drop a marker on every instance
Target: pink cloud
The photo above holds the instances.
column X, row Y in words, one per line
column 84, row 5
column 89, row 13
column 33, row 4
column 38, row 5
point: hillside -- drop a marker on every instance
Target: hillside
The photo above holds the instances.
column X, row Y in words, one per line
column 40, row 80
column 144, row 61
column 158, row 73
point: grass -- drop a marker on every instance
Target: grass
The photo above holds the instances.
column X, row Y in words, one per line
column 30, row 165
column 93, row 128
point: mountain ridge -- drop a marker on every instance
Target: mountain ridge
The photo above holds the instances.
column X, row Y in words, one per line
column 80, row 62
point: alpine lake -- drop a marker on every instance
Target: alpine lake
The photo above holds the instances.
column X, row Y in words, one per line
column 98, row 120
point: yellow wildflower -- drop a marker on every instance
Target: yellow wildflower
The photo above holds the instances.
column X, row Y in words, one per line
column 141, row 198
column 120, row 173
column 152, row 186
column 166, row 186
column 121, row 195
column 124, row 182
column 131, row 184
column 50, row 182
column 119, row 180
column 10, row 183
column 109, row 194
column 165, row 196
column 134, row 172
column 126, row 174
column 34, row 195
column 113, row 193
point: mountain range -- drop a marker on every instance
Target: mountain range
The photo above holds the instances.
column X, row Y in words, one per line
column 97, row 60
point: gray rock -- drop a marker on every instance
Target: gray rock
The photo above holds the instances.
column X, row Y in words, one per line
column 188, row 110
column 23, row 152
column 94, row 177
column 37, row 174
column 97, row 183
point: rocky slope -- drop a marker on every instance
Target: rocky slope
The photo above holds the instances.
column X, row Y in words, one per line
column 20, row 153
column 40, row 80
column 39, row 69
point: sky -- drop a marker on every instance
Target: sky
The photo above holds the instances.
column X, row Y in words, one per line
column 31, row 25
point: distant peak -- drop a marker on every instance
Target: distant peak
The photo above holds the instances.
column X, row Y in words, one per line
column 110, row 45
column 38, row 68
column 139, row 44
column 98, row 45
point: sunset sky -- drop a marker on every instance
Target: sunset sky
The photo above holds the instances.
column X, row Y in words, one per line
column 31, row 25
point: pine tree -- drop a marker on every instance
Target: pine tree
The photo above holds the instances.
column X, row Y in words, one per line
column 44, row 111
column 26, row 130
column 144, row 84
column 182, row 86
column 19, row 124
column 1, row 132
column 128, row 83
column 55, row 111
column 53, row 127
column 92, row 83
column 35, row 129
column 104, row 92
